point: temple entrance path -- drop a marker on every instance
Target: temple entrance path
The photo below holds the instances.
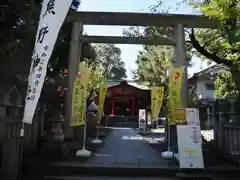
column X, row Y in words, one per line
column 124, row 147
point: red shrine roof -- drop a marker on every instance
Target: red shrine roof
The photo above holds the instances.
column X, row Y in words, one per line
column 132, row 84
column 125, row 89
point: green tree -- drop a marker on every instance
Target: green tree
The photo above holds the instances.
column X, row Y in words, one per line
column 152, row 65
column 224, row 86
column 221, row 45
column 109, row 58
column 19, row 21
column 96, row 77
column 154, row 61
column 59, row 58
column 17, row 33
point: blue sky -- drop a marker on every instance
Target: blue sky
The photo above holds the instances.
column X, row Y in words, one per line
column 130, row 52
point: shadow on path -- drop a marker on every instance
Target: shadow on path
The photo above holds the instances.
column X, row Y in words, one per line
column 124, row 147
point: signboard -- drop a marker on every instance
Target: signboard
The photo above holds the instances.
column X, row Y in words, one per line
column 180, row 115
column 149, row 118
column 190, row 147
column 142, row 119
column 192, row 116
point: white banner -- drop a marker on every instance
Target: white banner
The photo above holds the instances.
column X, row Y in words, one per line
column 142, row 122
column 52, row 16
column 190, row 147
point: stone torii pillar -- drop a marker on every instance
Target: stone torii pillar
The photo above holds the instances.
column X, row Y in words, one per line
column 73, row 61
column 179, row 60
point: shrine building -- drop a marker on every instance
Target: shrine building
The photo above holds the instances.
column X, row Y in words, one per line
column 126, row 99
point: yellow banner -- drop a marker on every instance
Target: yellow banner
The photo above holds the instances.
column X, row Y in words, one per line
column 157, row 95
column 101, row 98
column 175, row 84
column 84, row 73
column 79, row 95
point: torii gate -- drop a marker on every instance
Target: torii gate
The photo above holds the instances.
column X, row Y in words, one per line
column 178, row 22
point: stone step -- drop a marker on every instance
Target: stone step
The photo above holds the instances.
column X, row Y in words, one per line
column 195, row 176
column 102, row 178
column 123, row 178
column 76, row 169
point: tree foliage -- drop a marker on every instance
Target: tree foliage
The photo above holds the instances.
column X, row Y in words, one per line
column 224, row 86
column 221, row 45
column 18, row 22
column 18, row 27
column 109, row 59
column 154, row 61
column 96, row 77
column 152, row 65
column 59, row 58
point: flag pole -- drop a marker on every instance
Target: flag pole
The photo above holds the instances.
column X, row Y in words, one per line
column 153, row 141
column 84, row 152
column 168, row 154
column 97, row 140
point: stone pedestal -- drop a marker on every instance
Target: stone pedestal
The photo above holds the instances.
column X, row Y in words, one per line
column 56, row 130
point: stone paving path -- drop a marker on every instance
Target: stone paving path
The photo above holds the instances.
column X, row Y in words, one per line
column 124, row 147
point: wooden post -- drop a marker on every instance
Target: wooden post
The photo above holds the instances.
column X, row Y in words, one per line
column 113, row 104
column 133, row 106
column 73, row 61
